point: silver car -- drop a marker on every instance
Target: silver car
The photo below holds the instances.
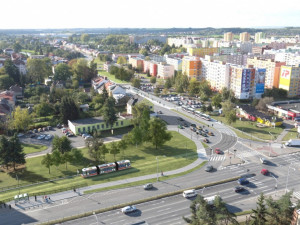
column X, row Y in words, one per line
column 128, row 209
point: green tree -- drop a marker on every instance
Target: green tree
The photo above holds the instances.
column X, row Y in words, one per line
column 231, row 117
column 6, row 81
column 109, row 112
column 12, row 70
column 136, row 83
column 21, row 119
column 43, row 109
column 223, row 215
column 66, row 157
column 17, row 156
column 94, row 148
column 181, row 83
column 84, row 37
column 194, row 87
column 38, row 69
column 114, row 149
column 77, row 156
column 17, row 47
column 82, row 98
column 157, row 91
column 144, row 52
column 68, row 109
column 204, row 89
column 62, row 72
column 56, row 158
column 4, row 151
column 103, row 151
column 209, row 108
column 47, row 161
column 62, row 144
column 168, row 83
column 121, row 60
column 153, row 80
column 217, row 100
column 158, row 133
column 260, row 213
column 122, row 145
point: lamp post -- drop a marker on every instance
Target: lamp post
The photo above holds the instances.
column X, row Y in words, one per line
column 230, row 160
column 276, row 183
column 157, row 167
column 96, row 217
column 18, row 182
column 234, row 152
column 287, row 178
column 272, row 138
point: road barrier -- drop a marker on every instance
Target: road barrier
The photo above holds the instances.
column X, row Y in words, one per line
column 78, row 216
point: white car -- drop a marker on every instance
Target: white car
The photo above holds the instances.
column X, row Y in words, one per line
column 128, row 209
column 41, row 137
column 88, row 137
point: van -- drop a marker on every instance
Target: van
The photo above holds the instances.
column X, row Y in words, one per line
column 263, row 160
column 189, row 193
column 211, row 200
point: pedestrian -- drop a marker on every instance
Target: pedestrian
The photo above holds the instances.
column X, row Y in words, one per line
column 9, row 206
column 162, row 174
column 35, row 197
column 49, row 198
column 74, row 190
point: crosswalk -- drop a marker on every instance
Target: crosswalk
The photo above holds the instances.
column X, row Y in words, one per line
column 217, row 158
column 296, row 194
column 291, row 158
column 242, row 155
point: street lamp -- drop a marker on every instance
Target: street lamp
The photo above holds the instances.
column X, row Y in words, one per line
column 287, row 178
column 234, row 152
column 96, row 217
column 272, row 138
column 276, row 182
column 230, row 160
column 157, row 167
column 18, row 182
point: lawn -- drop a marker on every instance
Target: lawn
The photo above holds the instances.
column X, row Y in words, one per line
column 111, row 77
column 173, row 155
column 292, row 134
column 30, row 148
column 250, row 128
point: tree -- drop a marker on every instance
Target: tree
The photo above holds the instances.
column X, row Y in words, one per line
column 82, row 72
column 263, row 102
column 4, row 151
column 204, row 89
column 68, row 109
column 217, row 100
column 56, row 158
column 84, row 37
column 43, row 109
column 194, row 87
column 209, row 108
column 38, row 69
column 62, row 72
column 223, row 215
column 62, row 144
column 12, row 70
column 103, row 151
column 17, row 156
column 168, row 83
column 153, row 80
column 121, row 60
column 122, row 145
column 66, row 157
column 158, row 134
column 136, row 83
column 227, row 106
column 6, row 81
column 77, row 156
column 230, row 117
column 227, row 95
column 82, row 97
column 94, row 144
column 157, row 91
column 260, row 213
column 47, row 161
column 114, row 149
column 17, row 47
column 181, row 83
column 21, row 119
column 109, row 112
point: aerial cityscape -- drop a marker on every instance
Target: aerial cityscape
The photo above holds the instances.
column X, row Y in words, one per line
column 123, row 113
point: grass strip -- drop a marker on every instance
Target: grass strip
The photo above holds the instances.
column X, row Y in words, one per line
column 137, row 202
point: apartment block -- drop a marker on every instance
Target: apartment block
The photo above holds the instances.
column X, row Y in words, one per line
column 175, row 61
column 165, row 70
column 136, row 63
column 289, row 80
column 151, row 67
column 272, row 70
column 201, row 52
column 259, row 37
column 191, row 66
column 244, row 37
column 229, row 36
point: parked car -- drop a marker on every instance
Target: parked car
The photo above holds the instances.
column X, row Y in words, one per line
column 206, row 140
column 185, row 125
column 128, row 209
column 88, row 137
column 180, row 127
column 49, row 127
column 20, row 135
column 211, row 133
column 209, row 168
column 84, row 135
column 148, row 186
column 32, row 135
column 59, row 126
column 159, row 112
column 243, row 181
column 48, row 137
column 239, row 189
column 45, row 128
column 40, row 130
column 70, row 135
column 42, row 136
column 35, row 130
column 180, row 119
column 218, row 151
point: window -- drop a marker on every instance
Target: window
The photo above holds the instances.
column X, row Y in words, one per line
column 121, row 123
column 93, row 128
column 79, row 130
column 102, row 126
column 98, row 127
column 107, row 125
column 88, row 128
column 83, row 129
column 117, row 123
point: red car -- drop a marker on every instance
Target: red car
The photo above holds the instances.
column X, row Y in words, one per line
column 218, row 151
column 264, row 172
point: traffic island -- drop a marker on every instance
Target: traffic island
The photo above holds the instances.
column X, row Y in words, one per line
column 231, row 159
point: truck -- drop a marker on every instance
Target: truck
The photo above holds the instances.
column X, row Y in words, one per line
column 293, row 143
column 211, row 200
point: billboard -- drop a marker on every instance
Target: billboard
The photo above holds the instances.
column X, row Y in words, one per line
column 260, row 75
column 246, row 82
column 285, row 75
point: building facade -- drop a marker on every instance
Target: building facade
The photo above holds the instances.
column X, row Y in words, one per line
column 201, row 52
column 151, row 67
column 191, row 66
column 176, row 62
column 244, row 37
column 229, row 36
column 289, row 80
column 165, row 71
column 259, row 37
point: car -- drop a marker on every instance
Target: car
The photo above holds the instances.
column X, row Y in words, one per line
column 263, row 161
column 88, row 137
column 264, row 172
column 205, row 130
column 180, row 119
column 243, row 181
column 180, row 127
column 185, row 125
column 40, row 130
column 20, row 135
column 206, row 140
column 41, row 137
column 148, row 186
column 32, row 135
column 159, row 112
column 193, row 125
column 48, row 137
column 204, row 134
column 59, row 126
column 209, row 168
column 45, row 128
column 211, row 133
column 128, row 209
column 84, row 135
column 70, row 135
column 35, row 130
column 49, row 127
column 218, row 151
column 239, row 189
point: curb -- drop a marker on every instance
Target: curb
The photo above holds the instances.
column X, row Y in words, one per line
column 136, row 202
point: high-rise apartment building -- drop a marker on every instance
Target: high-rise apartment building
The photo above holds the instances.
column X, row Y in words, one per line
column 165, row 70
column 191, row 66
column 289, row 80
column 244, row 37
column 259, row 37
column 272, row 70
column 201, row 52
column 229, row 36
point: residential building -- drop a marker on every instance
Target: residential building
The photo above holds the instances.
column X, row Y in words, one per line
column 237, row 59
column 151, row 67
column 115, row 56
column 132, row 102
column 136, row 63
column 259, row 50
column 165, row 70
column 272, row 70
column 201, row 52
column 244, row 37
column 8, row 51
column 10, row 97
column 278, row 45
column 289, row 80
column 21, row 66
column 245, row 47
column 106, row 66
column 259, row 37
column 191, row 66
column 18, row 91
column 182, row 41
column 229, row 36
column 37, row 56
column 228, row 50
column 175, row 61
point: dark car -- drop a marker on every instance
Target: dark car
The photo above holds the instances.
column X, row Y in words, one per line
column 180, row 119
column 206, row 140
column 32, row 135
column 185, row 125
column 209, row 168
column 243, row 181
column 193, row 125
column 239, row 189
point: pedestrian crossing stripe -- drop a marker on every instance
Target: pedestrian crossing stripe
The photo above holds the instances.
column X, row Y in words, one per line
column 217, row 158
column 296, row 195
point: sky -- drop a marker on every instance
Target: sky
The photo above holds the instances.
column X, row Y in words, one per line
column 38, row 14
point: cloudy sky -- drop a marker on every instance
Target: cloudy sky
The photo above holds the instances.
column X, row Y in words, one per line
column 148, row 13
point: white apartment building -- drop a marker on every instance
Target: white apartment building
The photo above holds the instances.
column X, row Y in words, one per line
column 176, row 62
column 165, row 70
column 245, row 47
column 179, row 41
column 289, row 58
